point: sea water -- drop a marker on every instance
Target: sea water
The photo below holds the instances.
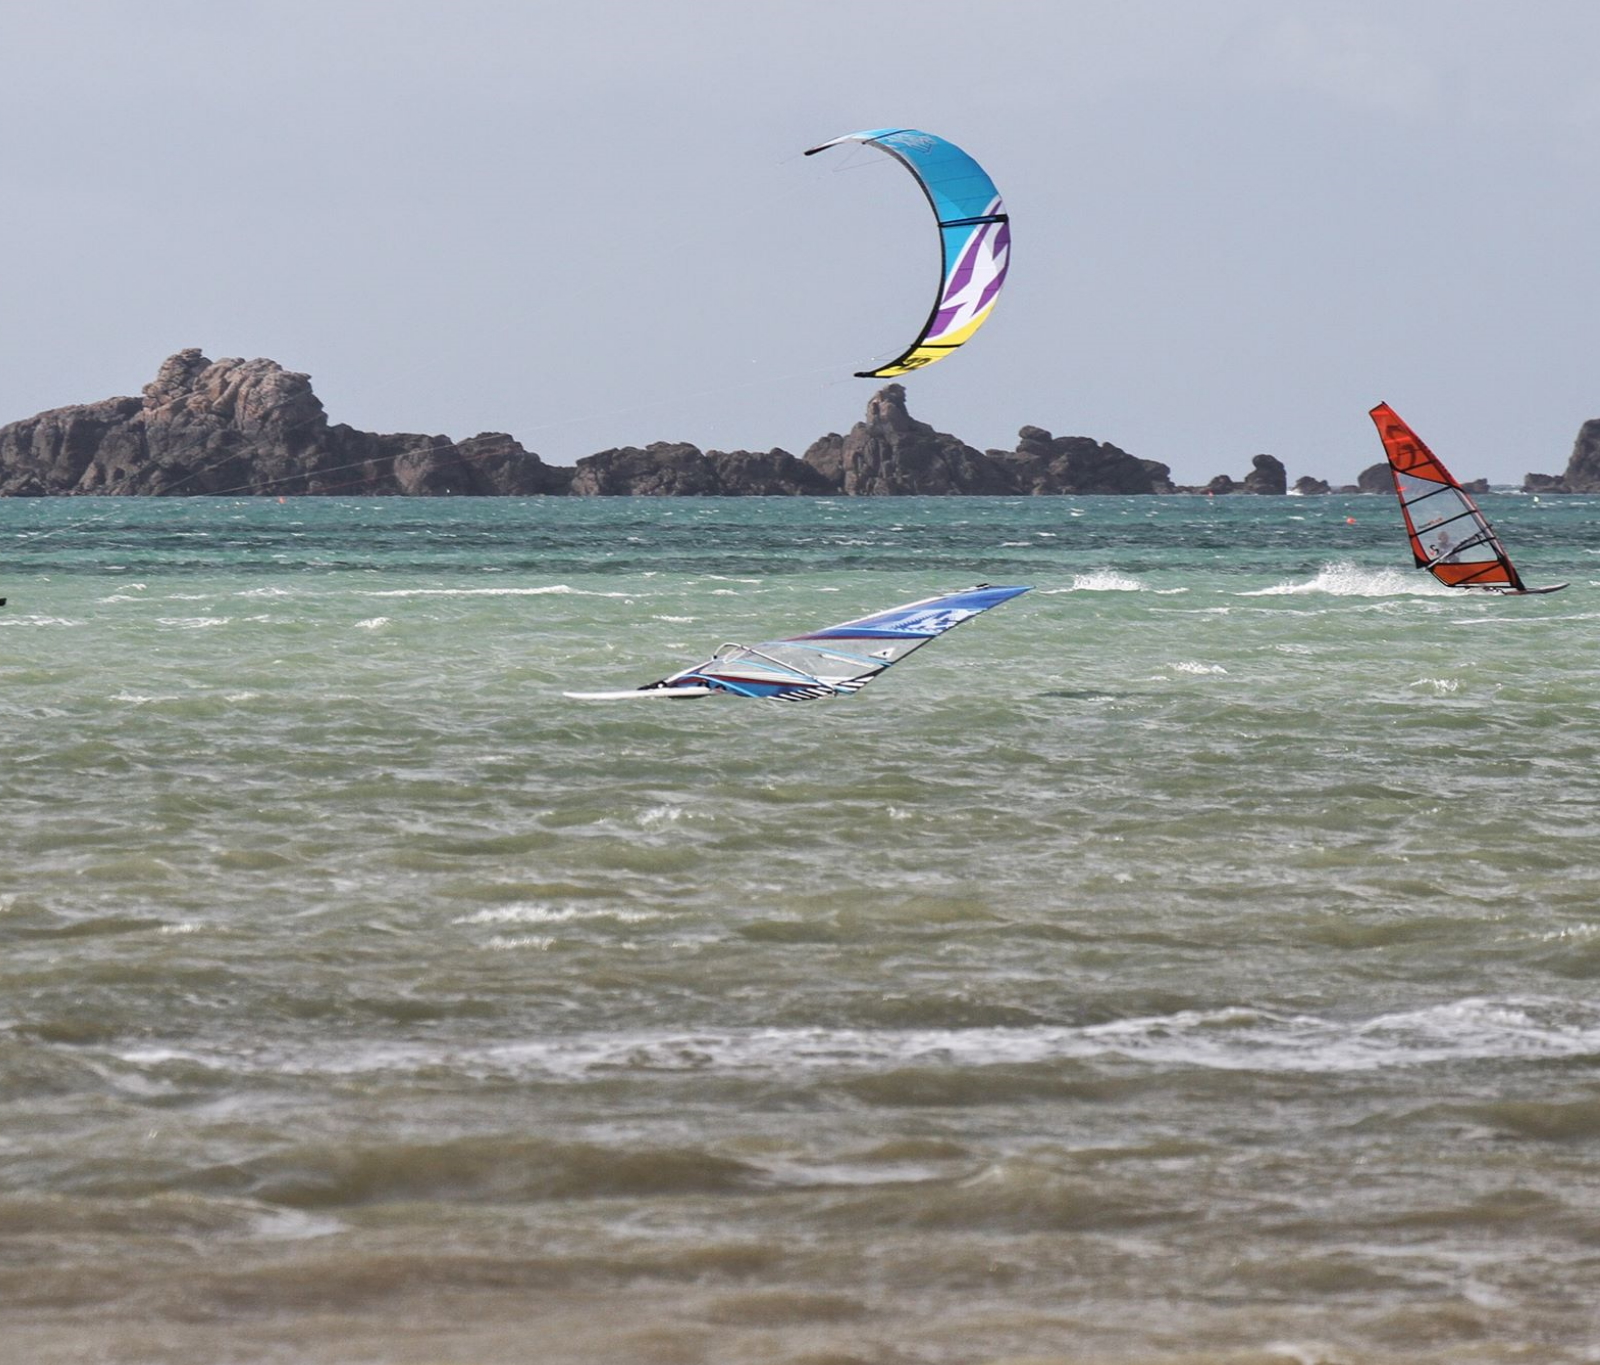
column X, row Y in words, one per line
column 1194, row 960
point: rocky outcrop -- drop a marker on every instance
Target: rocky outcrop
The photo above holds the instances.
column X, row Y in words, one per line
column 247, row 426
column 1266, row 476
column 250, row 426
column 1044, row 464
column 1375, row 478
column 71, row 449
column 1583, row 468
column 666, row 469
column 891, row 453
column 1306, row 486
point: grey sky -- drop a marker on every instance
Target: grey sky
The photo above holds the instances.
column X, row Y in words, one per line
column 1237, row 223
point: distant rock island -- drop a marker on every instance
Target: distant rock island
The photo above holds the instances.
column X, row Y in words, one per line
column 252, row 427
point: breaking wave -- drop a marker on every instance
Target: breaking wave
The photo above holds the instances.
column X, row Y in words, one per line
column 1347, row 580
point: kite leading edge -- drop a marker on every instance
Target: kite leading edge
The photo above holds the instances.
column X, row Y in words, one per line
column 974, row 240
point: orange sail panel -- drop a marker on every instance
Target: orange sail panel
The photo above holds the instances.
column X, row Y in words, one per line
column 1450, row 537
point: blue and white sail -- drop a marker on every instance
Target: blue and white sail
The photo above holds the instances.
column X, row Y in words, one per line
column 833, row 662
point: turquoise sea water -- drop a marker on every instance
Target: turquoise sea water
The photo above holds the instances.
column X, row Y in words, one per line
column 1194, row 960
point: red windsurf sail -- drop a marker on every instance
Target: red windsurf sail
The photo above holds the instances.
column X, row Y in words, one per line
column 1450, row 537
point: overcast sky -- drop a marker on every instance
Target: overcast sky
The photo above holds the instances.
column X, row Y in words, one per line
column 1237, row 224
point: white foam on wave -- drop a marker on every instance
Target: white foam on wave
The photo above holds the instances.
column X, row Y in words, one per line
column 653, row 817
column 1193, row 666
column 193, row 622
column 1105, row 580
column 373, row 623
column 1238, row 1038
column 293, row 1225
column 538, row 912
column 1347, row 580
column 554, row 589
column 1235, row 1039
column 1439, row 687
column 504, row 943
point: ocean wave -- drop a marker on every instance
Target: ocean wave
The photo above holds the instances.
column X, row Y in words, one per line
column 1348, row 580
column 553, row 589
column 537, row 913
column 1235, row 1038
column 1105, row 580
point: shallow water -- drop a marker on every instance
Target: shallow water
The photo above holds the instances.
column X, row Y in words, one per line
column 1193, row 960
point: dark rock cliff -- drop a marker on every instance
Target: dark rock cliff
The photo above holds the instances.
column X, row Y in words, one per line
column 891, row 453
column 250, row 426
column 246, row 426
column 1375, row 478
column 667, row 469
column 1043, row 463
column 1266, row 476
column 1583, row 468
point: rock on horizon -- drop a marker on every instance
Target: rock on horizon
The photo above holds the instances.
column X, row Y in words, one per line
column 248, row 427
column 237, row 426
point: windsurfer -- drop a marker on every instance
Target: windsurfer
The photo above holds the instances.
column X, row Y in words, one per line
column 1442, row 552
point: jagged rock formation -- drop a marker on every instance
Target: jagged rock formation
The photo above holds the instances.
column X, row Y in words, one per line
column 246, row 426
column 1266, row 476
column 667, row 469
column 1043, row 464
column 1583, row 468
column 1375, row 478
column 891, row 453
column 250, row 426
column 1306, row 486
